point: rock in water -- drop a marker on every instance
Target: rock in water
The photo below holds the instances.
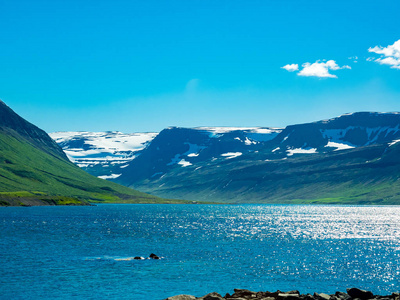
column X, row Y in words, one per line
column 361, row 294
column 211, row 296
column 342, row 296
column 321, row 296
column 181, row 297
column 242, row 293
column 153, row 256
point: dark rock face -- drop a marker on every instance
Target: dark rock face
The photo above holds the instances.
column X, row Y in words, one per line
column 243, row 294
column 361, row 294
column 173, row 144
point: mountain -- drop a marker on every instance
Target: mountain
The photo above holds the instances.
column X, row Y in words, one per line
column 349, row 159
column 35, row 171
column 344, row 132
column 102, row 154
column 110, row 154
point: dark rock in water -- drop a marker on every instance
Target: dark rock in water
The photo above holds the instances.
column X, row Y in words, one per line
column 308, row 297
column 272, row 295
column 138, row 257
column 321, row 296
column 242, row 293
column 211, row 296
column 264, row 296
column 342, row 296
column 182, row 297
column 153, row 256
column 361, row 294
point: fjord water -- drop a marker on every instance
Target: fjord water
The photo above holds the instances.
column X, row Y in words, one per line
column 84, row 252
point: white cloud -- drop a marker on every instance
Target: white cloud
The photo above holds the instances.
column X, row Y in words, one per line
column 320, row 69
column 390, row 55
column 291, row 68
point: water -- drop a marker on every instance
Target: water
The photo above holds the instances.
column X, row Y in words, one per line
column 81, row 252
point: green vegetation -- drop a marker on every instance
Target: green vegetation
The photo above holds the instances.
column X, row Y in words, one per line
column 31, row 176
column 365, row 175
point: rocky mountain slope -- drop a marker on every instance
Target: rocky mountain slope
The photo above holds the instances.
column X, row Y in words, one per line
column 348, row 159
column 35, row 171
column 110, row 154
column 102, row 154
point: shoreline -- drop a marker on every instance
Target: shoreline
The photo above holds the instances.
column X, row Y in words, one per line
column 243, row 294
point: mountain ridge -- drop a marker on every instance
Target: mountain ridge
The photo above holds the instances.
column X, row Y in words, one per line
column 35, row 171
column 346, row 159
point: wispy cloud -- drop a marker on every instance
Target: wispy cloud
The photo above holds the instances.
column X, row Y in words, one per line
column 291, row 68
column 390, row 55
column 317, row 69
column 354, row 58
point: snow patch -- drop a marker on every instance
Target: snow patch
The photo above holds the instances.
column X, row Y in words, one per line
column 301, row 151
column 184, row 163
column 394, row 142
column 112, row 176
column 230, row 155
column 338, row 146
column 337, row 135
column 193, row 149
column 248, row 142
column 88, row 149
column 254, row 133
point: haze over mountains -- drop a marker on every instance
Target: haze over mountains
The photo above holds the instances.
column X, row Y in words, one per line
column 348, row 159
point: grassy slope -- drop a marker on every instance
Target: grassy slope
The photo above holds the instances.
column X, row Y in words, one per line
column 29, row 176
column 368, row 175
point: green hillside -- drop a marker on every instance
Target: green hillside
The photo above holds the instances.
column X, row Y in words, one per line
column 30, row 176
column 365, row 175
column 35, row 171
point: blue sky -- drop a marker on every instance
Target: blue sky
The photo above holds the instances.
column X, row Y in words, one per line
column 139, row 66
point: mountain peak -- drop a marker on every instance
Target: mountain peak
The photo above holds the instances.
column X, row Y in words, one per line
column 16, row 126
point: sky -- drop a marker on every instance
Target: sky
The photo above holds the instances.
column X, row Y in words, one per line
column 141, row 66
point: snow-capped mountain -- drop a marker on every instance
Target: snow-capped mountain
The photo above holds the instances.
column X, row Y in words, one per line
column 344, row 132
column 183, row 147
column 107, row 154
column 226, row 163
column 319, row 159
column 102, row 154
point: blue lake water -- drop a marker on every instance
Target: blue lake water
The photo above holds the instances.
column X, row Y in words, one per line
column 81, row 252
